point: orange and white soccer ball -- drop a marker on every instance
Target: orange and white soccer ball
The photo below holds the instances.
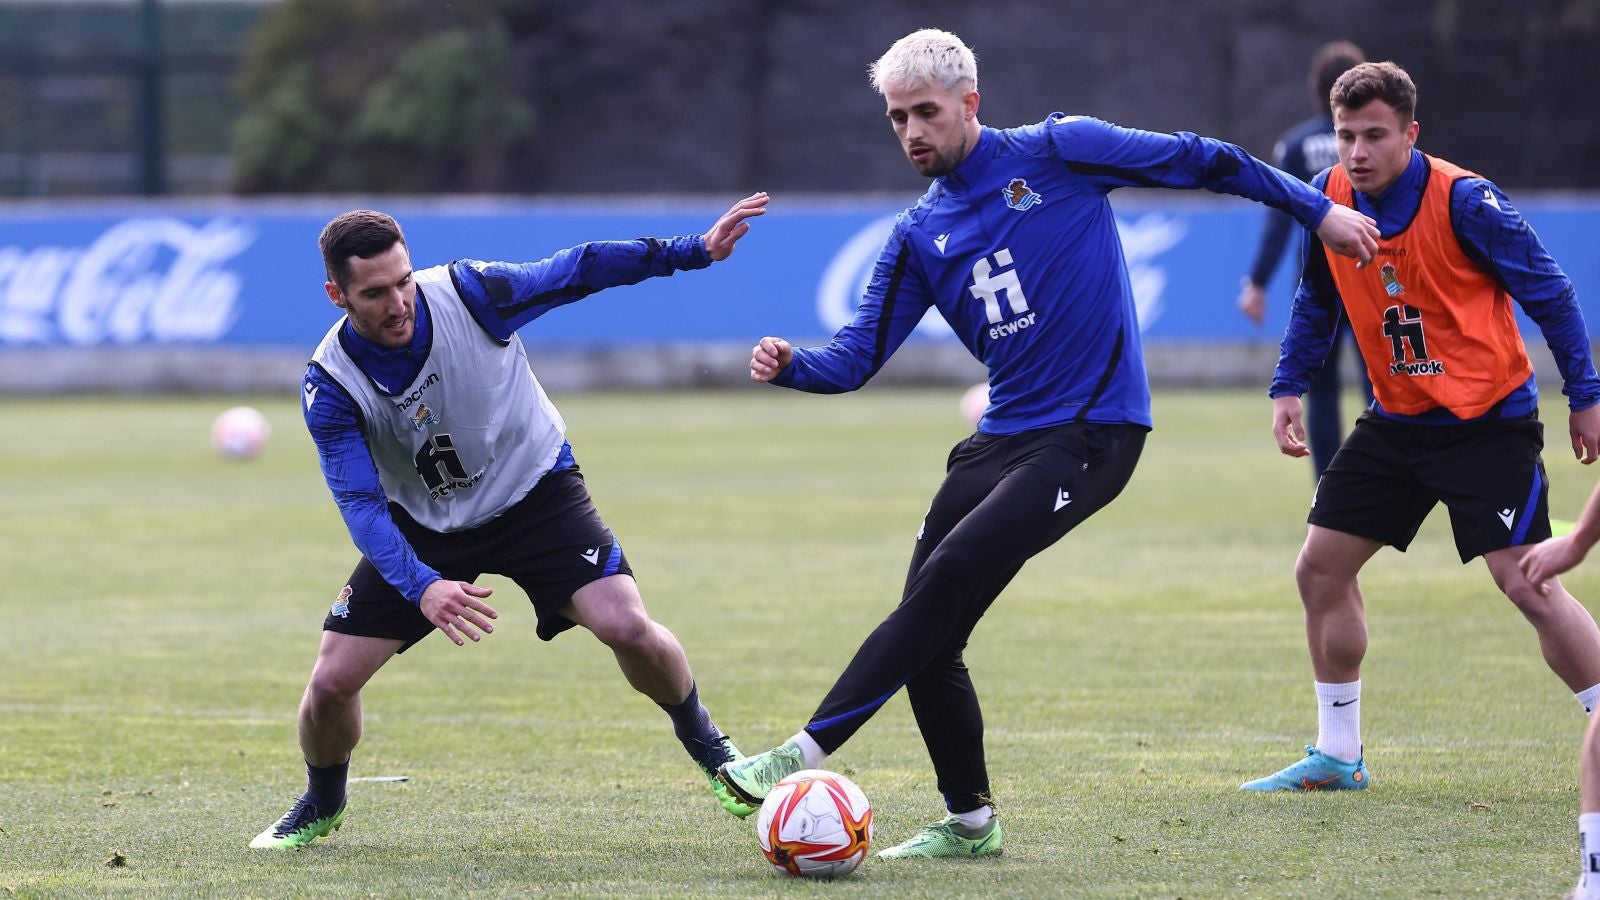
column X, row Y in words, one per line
column 815, row 823
column 240, row 433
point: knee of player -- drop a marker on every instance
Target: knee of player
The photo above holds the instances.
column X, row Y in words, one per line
column 329, row 685
column 1528, row 598
column 623, row 630
column 1316, row 575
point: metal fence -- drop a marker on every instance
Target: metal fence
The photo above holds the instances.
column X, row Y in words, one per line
column 116, row 98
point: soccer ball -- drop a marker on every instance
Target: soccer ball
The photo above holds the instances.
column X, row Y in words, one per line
column 815, row 823
column 240, row 433
column 974, row 402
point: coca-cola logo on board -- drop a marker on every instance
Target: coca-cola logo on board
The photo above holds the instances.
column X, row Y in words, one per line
column 145, row 280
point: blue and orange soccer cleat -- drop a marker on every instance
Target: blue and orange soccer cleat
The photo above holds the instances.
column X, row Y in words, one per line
column 1316, row 772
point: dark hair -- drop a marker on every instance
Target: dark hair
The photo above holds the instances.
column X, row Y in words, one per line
column 360, row 232
column 1329, row 62
column 1376, row 81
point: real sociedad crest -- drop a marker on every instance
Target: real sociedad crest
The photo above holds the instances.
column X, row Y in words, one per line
column 1019, row 196
column 423, row 417
column 1391, row 284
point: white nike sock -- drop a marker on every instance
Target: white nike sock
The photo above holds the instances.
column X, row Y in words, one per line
column 975, row 819
column 1339, row 720
column 1588, row 696
column 1589, row 874
column 810, row 748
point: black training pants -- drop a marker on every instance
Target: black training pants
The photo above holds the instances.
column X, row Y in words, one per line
column 1004, row 499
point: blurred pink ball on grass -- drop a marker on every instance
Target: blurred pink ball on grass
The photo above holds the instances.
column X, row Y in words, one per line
column 240, row 433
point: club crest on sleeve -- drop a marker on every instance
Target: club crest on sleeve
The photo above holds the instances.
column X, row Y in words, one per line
column 1019, row 196
column 341, row 603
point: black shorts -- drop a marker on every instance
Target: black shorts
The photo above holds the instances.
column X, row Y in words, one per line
column 1388, row 475
column 551, row 543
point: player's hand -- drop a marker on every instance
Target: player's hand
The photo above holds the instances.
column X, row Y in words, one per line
column 1585, row 427
column 1349, row 233
column 455, row 607
column 1550, row 558
column 769, row 357
column 734, row 224
column 1253, row 302
column 1289, row 427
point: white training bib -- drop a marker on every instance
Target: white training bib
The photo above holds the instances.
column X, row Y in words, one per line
column 471, row 435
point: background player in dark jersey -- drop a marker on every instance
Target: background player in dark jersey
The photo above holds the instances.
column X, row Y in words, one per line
column 447, row 460
column 1541, row 565
column 1456, row 415
column 1016, row 245
column 1303, row 151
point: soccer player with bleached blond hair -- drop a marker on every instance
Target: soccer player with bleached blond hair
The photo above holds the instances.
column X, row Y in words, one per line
column 929, row 56
column 1015, row 244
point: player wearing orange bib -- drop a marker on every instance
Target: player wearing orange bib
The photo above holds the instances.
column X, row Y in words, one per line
column 1441, row 329
column 1455, row 419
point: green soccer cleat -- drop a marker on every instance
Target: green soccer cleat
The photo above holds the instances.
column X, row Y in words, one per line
column 301, row 825
column 729, row 802
column 1316, row 772
column 750, row 779
column 950, row 838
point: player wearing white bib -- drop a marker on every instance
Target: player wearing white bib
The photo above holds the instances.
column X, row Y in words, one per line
column 447, row 461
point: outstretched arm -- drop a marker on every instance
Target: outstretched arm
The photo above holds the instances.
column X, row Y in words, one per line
column 1117, row 157
column 506, row 296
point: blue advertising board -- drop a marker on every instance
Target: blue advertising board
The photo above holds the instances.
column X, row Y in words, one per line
column 248, row 274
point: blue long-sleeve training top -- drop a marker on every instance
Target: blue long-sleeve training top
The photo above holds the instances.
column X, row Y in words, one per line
column 1495, row 236
column 502, row 297
column 1018, row 248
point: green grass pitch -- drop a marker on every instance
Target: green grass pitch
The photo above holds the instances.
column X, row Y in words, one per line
column 162, row 609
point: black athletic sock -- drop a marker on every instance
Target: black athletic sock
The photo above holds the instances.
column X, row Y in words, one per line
column 691, row 722
column 325, row 786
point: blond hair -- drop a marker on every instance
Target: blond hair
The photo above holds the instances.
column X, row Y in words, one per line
column 926, row 57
